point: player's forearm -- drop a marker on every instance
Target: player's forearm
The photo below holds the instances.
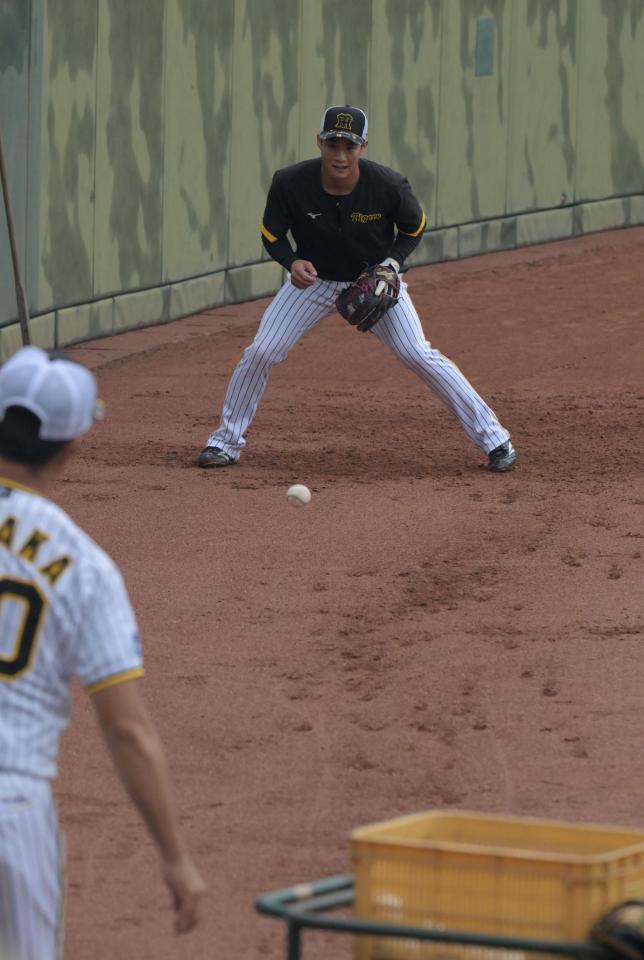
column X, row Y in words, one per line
column 140, row 762
column 280, row 250
column 403, row 247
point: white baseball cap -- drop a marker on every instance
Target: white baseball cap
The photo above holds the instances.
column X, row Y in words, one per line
column 61, row 393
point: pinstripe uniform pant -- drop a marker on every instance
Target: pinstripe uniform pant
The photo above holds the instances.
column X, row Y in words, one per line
column 294, row 312
column 30, row 870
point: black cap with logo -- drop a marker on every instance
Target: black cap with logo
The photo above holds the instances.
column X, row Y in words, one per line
column 348, row 122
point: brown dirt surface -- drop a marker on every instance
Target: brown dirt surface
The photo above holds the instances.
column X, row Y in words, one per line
column 423, row 635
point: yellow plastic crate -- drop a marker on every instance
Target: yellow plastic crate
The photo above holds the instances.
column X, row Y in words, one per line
column 513, row 876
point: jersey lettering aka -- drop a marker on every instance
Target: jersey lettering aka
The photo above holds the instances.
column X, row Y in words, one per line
column 64, row 611
column 30, row 548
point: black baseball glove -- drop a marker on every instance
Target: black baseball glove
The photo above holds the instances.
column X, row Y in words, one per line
column 621, row 930
column 369, row 296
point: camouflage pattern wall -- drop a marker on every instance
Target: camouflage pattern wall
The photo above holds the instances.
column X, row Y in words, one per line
column 141, row 137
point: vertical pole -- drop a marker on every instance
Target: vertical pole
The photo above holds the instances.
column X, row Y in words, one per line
column 21, row 299
column 294, row 940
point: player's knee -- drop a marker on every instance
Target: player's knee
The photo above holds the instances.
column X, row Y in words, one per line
column 409, row 357
column 266, row 352
column 261, row 352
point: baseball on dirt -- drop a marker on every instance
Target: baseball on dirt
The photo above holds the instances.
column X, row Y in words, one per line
column 298, row 495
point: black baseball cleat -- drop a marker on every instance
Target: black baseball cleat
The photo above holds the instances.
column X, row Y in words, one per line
column 502, row 458
column 214, row 457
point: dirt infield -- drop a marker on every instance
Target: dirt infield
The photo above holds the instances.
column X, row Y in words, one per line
column 424, row 634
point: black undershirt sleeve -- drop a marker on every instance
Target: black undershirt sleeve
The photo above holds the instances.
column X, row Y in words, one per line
column 276, row 224
column 410, row 223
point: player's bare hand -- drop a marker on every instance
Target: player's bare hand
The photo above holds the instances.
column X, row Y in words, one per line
column 303, row 274
column 187, row 888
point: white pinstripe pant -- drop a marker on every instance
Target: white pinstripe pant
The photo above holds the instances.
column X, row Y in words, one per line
column 294, row 312
column 30, row 870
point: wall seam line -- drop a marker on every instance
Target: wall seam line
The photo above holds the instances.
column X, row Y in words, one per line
column 231, row 141
column 94, row 186
column 164, row 81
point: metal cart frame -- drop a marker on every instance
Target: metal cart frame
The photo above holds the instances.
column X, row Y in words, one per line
column 303, row 906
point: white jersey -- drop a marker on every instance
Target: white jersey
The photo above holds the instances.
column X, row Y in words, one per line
column 64, row 611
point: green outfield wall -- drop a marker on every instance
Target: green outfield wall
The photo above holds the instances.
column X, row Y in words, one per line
column 141, row 136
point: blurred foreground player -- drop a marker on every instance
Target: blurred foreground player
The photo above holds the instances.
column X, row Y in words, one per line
column 64, row 611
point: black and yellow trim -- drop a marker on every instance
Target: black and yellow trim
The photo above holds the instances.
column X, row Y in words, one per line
column 12, row 485
column 423, row 224
column 267, row 233
column 114, row 679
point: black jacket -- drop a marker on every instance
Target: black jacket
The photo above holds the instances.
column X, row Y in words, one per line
column 341, row 235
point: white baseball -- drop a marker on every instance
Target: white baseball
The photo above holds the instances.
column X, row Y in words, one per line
column 298, row 495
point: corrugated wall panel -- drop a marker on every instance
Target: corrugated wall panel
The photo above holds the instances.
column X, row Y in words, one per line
column 265, row 117
column 129, row 145
column 65, row 214
column 142, row 137
column 543, row 104
column 335, row 48
column 472, row 157
column 198, row 71
column 15, row 23
column 611, row 99
column 404, row 92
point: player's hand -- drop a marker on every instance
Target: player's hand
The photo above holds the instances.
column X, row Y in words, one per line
column 303, row 274
column 187, row 888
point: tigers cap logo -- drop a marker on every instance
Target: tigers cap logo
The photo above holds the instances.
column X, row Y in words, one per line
column 344, row 121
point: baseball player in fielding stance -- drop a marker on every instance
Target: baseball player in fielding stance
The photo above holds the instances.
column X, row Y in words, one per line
column 344, row 213
column 64, row 611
